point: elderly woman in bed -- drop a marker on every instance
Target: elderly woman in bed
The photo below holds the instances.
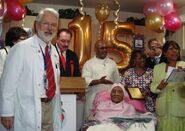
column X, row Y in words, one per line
column 111, row 104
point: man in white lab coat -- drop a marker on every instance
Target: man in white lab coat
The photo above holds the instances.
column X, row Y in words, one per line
column 24, row 103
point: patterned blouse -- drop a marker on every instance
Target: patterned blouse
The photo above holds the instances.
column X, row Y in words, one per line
column 131, row 78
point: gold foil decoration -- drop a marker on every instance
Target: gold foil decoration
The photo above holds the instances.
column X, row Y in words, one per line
column 154, row 22
column 81, row 27
column 102, row 12
column 82, row 8
column 100, row 31
column 110, row 34
column 116, row 12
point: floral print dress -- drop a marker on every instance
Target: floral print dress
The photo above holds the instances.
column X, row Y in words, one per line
column 131, row 79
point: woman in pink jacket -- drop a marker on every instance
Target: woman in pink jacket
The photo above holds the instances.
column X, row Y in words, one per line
column 113, row 104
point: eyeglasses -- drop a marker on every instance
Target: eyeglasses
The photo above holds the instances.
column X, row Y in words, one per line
column 47, row 24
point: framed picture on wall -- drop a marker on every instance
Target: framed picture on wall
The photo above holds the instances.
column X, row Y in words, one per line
column 138, row 41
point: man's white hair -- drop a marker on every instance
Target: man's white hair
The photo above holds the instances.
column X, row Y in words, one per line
column 46, row 10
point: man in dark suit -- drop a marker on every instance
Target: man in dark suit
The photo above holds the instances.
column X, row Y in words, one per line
column 154, row 53
column 69, row 63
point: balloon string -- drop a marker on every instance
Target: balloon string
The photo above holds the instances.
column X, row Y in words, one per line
column 116, row 13
column 99, row 33
column 82, row 8
column 23, row 22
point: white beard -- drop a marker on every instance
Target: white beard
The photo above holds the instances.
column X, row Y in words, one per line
column 45, row 38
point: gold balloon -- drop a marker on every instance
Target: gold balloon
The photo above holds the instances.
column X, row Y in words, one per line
column 116, row 12
column 154, row 22
column 102, row 12
column 107, row 28
column 122, row 48
column 81, row 26
column 82, row 7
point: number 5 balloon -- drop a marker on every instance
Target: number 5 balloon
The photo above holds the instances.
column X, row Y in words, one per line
column 119, row 48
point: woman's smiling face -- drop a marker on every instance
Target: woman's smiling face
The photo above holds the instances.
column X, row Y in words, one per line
column 172, row 53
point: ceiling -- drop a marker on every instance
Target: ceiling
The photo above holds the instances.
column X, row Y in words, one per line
column 125, row 5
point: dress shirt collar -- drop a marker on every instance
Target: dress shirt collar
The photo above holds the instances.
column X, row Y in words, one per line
column 42, row 44
column 64, row 53
column 103, row 61
column 158, row 56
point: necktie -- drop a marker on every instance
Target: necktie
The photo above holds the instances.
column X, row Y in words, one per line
column 50, row 92
column 63, row 61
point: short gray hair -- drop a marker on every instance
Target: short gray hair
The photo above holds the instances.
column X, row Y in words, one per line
column 46, row 10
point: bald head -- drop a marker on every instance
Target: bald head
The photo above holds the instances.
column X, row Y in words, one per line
column 101, row 49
